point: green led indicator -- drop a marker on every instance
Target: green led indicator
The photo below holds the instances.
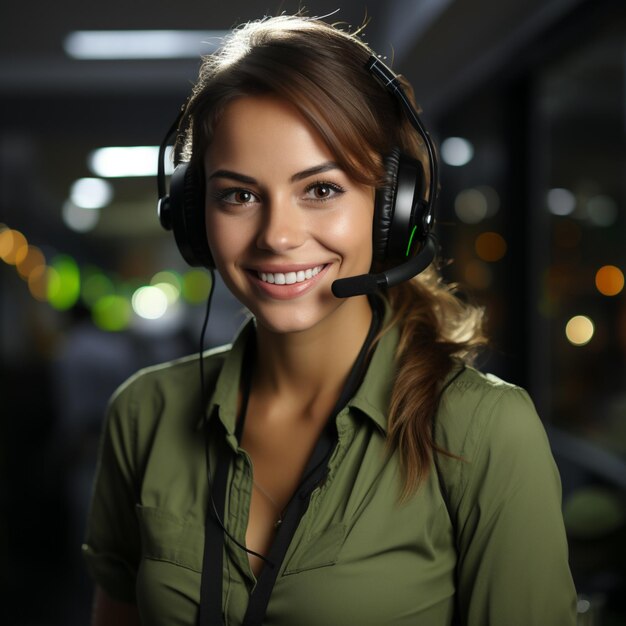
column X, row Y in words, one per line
column 408, row 248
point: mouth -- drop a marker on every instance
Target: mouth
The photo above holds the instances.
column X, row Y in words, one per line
column 289, row 278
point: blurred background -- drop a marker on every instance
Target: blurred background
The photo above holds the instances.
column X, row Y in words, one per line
column 527, row 101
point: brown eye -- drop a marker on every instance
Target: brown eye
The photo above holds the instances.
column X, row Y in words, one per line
column 236, row 196
column 242, row 197
column 323, row 191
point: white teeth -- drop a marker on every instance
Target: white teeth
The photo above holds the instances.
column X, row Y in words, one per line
column 278, row 278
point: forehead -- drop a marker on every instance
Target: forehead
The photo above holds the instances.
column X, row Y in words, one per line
column 256, row 131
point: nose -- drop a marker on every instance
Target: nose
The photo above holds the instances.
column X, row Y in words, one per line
column 283, row 227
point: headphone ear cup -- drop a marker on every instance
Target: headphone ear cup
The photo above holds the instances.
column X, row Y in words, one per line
column 187, row 207
column 384, row 206
column 401, row 210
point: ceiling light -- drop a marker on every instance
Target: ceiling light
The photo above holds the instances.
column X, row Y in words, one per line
column 128, row 161
column 79, row 219
column 141, row 44
column 91, row 193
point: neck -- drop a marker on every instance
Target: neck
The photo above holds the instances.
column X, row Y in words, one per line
column 316, row 362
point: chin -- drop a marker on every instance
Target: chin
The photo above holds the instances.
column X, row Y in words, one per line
column 289, row 322
column 295, row 317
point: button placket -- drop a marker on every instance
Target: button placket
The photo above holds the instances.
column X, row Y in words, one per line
column 239, row 506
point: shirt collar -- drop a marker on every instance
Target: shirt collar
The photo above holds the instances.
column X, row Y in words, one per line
column 226, row 394
column 371, row 398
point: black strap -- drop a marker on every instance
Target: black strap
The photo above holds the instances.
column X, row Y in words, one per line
column 210, row 613
column 296, row 508
column 313, row 475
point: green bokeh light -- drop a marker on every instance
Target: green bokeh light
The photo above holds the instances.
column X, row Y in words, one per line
column 112, row 313
column 96, row 285
column 196, row 286
column 63, row 282
column 173, row 278
column 592, row 512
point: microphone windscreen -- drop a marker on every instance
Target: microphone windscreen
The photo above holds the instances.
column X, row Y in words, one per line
column 354, row 286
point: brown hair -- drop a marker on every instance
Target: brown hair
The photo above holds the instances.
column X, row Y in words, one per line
column 320, row 69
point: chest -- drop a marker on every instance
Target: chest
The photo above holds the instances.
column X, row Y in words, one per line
column 355, row 549
column 279, row 452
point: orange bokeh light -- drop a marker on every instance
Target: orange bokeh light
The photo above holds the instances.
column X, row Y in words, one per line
column 6, row 243
column 490, row 246
column 32, row 260
column 38, row 283
column 609, row 280
column 13, row 246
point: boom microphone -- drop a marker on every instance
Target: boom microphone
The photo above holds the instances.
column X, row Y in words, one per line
column 369, row 283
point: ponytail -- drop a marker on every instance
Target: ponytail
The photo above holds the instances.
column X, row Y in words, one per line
column 437, row 331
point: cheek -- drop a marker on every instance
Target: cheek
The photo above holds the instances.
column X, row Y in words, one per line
column 351, row 234
column 225, row 237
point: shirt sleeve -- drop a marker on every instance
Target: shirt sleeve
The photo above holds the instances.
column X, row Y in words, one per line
column 112, row 542
column 513, row 558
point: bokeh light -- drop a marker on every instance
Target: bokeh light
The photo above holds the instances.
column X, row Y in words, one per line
column 456, row 151
column 6, row 241
column 492, row 197
column 33, row 259
column 609, row 280
column 471, row 206
column 78, row 219
column 593, row 512
column 478, row 274
column 112, row 313
column 169, row 283
column 63, row 283
column 579, row 330
column 602, row 210
column 91, row 193
column 149, row 302
column 13, row 246
column 95, row 286
column 490, row 246
column 560, row 201
column 38, row 283
column 125, row 161
column 196, row 286
column 167, row 276
column 172, row 294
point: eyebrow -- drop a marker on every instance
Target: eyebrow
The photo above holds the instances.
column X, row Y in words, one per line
column 316, row 169
column 248, row 180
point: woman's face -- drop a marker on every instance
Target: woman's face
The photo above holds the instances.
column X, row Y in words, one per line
column 283, row 220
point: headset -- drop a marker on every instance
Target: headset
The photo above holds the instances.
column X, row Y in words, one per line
column 404, row 214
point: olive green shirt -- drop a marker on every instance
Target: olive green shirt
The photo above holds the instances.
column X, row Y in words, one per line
column 494, row 549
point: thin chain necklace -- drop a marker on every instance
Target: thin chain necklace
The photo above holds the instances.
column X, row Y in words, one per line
column 280, row 511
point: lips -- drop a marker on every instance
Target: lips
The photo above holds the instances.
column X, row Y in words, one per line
column 292, row 282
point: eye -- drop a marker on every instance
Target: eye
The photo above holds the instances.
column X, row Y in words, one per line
column 236, row 196
column 321, row 191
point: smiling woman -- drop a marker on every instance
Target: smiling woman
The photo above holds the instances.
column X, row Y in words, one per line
column 293, row 211
column 341, row 462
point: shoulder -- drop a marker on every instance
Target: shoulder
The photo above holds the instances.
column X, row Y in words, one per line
column 476, row 406
column 504, row 498
column 168, row 391
column 172, row 377
column 493, row 429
